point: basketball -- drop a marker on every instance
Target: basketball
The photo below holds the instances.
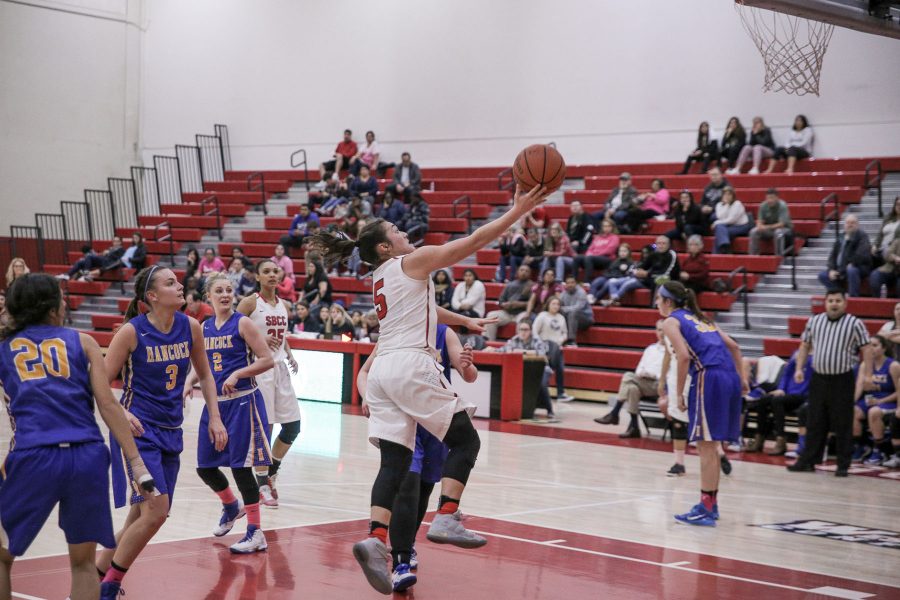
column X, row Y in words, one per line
column 539, row 164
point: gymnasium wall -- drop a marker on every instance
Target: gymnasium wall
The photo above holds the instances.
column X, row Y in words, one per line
column 470, row 82
column 69, row 91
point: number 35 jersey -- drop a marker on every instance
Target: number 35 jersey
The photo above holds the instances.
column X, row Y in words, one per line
column 272, row 320
column 405, row 307
column 46, row 383
column 153, row 376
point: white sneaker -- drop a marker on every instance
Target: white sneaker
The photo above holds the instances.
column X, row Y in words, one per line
column 732, row 172
column 228, row 519
column 591, row 299
column 373, row 556
column 893, row 462
column 63, row 276
column 753, row 171
column 791, row 454
column 448, row 529
column 320, row 186
column 268, row 496
column 254, row 541
column 565, row 398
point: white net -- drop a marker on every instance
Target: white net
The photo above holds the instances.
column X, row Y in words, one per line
column 792, row 48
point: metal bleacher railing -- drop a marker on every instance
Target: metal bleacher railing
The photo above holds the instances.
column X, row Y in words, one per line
column 126, row 200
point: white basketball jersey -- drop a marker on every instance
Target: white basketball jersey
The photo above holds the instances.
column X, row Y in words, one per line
column 405, row 307
column 272, row 320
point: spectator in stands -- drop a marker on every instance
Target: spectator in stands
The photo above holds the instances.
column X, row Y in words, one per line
column 835, row 337
column 733, row 140
column 527, row 343
column 193, row 263
column 689, row 219
column 712, row 193
column 2, row 305
column 302, row 320
column 579, row 227
column 731, row 221
column 469, row 296
column 558, row 252
column 876, row 398
column 339, row 323
column 534, row 249
column 662, row 263
column 282, row 260
column 371, row 327
column 772, row 222
column 891, row 331
column 541, row 292
column 576, row 308
column 619, row 203
column 135, row 256
column 761, row 146
column 535, row 219
column 235, row 272
column 238, row 253
column 443, row 288
column 513, row 302
column 363, row 186
column 550, row 326
column 771, row 407
column 407, row 178
column 706, row 152
column 92, row 264
column 850, row 259
column 392, row 209
column 601, row 253
column 887, row 233
column 358, row 208
column 642, row 382
column 415, row 220
column 210, row 263
column 286, row 289
column 343, row 154
column 799, row 145
column 299, row 229
column 695, row 267
column 649, row 205
column 317, row 288
column 195, row 306
column 368, row 155
column 247, row 285
column 618, row 269
column 512, row 253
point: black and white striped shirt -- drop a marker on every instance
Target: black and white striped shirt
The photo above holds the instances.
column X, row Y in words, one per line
column 835, row 344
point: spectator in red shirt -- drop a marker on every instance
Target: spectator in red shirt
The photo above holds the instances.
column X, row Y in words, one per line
column 196, row 307
column 343, row 153
column 695, row 267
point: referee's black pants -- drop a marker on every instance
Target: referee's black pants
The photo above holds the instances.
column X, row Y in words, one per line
column 830, row 409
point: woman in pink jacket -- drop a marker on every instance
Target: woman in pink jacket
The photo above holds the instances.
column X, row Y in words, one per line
column 649, row 205
column 600, row 253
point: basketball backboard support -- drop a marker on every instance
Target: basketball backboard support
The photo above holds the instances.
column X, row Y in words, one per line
column 853, row 14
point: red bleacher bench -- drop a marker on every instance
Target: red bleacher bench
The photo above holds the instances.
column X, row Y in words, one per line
column 747, row 195
column 797, row 324
column 678, row 182
column 225, row 197
column 195, row 208
column 861, row 307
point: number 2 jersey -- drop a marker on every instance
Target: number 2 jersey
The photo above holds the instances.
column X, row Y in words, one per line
column 45, row 377
column 272, row 320
column 227, row 351
column 405, row 307
column 154, row 374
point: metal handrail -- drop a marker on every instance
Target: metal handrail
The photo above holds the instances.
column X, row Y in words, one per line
column 467, row 213
column 214, row 200
column 505, row 186
column 869, row 184
column 294, row 165
column 741, row 292
column 836, row 213
column 165, row 238
column 260, row 187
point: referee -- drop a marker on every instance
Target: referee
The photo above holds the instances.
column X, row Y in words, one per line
column 835, row 339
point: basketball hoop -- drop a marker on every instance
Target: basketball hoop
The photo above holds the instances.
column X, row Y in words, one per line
column 792, row 48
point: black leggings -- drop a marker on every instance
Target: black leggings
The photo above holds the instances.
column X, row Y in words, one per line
column 409, row 510
column 243, row 477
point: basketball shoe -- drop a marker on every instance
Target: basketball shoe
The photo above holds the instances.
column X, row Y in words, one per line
column 253, row 541
column 268, row 494
column 373, row 556
column 110, row 590
column 448, row 529
column 230, row 513
column 698, row 515
column 675, row 471
column 403, row 578
column 413, row 560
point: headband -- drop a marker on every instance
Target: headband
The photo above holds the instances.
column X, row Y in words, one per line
column 667, row 294
column 149, row 279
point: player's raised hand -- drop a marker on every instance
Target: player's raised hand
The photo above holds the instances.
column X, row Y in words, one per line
column 526, row 201
column 477, row 325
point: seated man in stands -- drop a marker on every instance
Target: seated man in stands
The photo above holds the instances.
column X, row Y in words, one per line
column 392, row 209
column 196, row 307
column 415, row 221
column 850, row 260
column 620, row 201
column 299, row 229
column 527, row 343
column 712, row 193
column 773, row 221
column 407, row 178
column 92, row 264
column 661, row 262
column 575, row 308
column 787, row 397
column 695, row 267
column 513, row 302
column 579, row 228
column 343, row 153
column 643, row 381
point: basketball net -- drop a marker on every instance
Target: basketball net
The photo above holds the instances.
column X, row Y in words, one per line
column 792, row 48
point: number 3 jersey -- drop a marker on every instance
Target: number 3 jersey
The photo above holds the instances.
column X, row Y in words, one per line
column 272, row 320
column 45, row 378
column 153, row 376
column 406, row 309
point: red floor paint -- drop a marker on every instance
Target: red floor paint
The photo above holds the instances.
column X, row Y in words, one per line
column 519, row 562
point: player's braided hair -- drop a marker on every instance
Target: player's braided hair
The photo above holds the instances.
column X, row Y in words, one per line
column 29, row 301
column 335, row 248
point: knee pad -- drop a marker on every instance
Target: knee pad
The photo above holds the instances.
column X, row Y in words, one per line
column 246, row 483
column 464, row 445
column 213, row 477
column 679, row 430
column 395, row 461
column 289, row 432
column 894, row 424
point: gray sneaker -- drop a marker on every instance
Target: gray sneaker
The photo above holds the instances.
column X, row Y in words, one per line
column 372, row 555
column 893, row 462
column 448, row 529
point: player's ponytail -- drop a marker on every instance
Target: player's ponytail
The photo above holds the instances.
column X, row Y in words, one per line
column 29, row 301
column 335, row 248
column 142, row 284
column 683, row 297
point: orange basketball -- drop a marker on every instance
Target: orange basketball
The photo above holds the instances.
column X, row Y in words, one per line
column 539, row 164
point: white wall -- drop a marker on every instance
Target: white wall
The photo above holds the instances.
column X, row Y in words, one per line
column 69, row 84
column 470, row 82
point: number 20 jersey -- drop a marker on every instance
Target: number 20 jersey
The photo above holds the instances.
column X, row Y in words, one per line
column 153, row 376
column 405, row 307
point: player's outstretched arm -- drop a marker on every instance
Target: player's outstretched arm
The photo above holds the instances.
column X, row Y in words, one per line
column 426, row 259
column 217, row 432
column 461, row 357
